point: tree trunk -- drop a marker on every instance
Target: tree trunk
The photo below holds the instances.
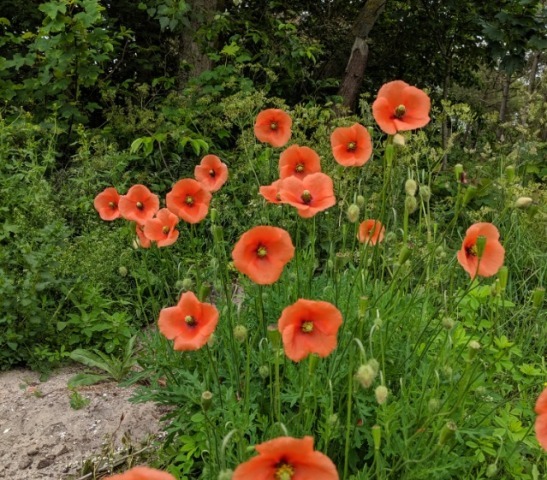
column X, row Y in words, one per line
column 533, row 72
column 355, row 69
column 504, row 102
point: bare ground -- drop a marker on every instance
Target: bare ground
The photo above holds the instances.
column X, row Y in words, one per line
column 41, row 436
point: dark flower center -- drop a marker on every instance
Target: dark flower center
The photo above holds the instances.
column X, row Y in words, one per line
column 306, row 196
column 190, row 321
column 471, row 251
column 212, row 173
column 189, row 200
column 352, row 146
column 284, row 471
column 299, row 168
column 400, row 111
column 112, row 205
column 140, row 205
column 273, row 125
column 307, row 327
column 261, row 251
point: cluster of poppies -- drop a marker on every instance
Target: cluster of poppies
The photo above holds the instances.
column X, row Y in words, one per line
column 188, row 200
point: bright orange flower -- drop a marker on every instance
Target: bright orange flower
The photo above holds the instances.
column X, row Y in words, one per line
column 351, row 146
column 271, row 192
column 161, row 229
column 273, row 126
column 298, row 162
column 541, row 420
column 190, row 323
column 189, row 200
column 287, row 458
column 211, row 173
column 492, row 256
column 138, row 204
column 142, row 473
column 262, row 252
column 106, row 203
column 371, row 231
column 399, row 107
column 143, row 240
column 313, row 194
column 309, row 326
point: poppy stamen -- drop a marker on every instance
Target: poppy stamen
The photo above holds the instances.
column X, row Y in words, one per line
column 400, row 111
column 140, row 205
column 165, row 230
column 261, row 251
column 273, row 125
column 190, row 321
column 306, row 196
column 299, row 168
column 307, row 327
column 471, row 251
column 285, row 471
column 352, row 146
column 212, row 173
column 112, row 205
column 189, row 200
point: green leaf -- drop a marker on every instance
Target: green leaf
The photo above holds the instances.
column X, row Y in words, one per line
column 82, row 379
column 51, row 9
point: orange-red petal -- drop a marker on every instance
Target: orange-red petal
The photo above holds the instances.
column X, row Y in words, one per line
column 142, row 473
column 493, row 256
column 212, row 173
column 298, row 161
column 271, row 192
column 265, row 131
column 106, row 203
column 139, row 204
column 189, row 200
column 361, row 145
column 371, row 231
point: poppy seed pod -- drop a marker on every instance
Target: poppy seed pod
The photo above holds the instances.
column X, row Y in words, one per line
column 425, row 193
column 503, row 275
column 353, row 213
column 447, row 432
column 410, row 187
column 381, row 394
column 458, row 170
column 206, row 400
column 523, row 202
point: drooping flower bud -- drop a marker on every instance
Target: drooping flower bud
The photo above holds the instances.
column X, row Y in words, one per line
column 264, row 371
column 434, row 405
column 353, row 213
column 410, row 187
column 411, row 204
column 122, row 271
column 360, row 201
column 240, row 333
column 398, row 140
column 424, row 193
column 448, row 323
column 491, row 470
column 381, row 394
column 365, row 375
column 523, row 202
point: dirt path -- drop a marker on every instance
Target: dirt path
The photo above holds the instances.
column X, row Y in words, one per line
column 41, row 436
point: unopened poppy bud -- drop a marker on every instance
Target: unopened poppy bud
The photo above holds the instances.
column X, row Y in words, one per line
column 217, row 233
column 365, row 375
column 523, row 202
column 333, row 420
column 204, row 291
column 363, row 304
column 447, row 371
column 353, row 213
column 447, row 432
column 410, row 187
column 264, row 371
column 375, row 365
column 226, row 475
column 330, row 264
column 503, row 274
column 404, row 254
column 474, row 347
column 538, row 295
column 240, row 333
column 425, row 193
column 398, row 140
column 510, row 173
column 187, row 284
column 381, row 394
column 122, row 271
column 411, row 204
column 434, row 405
column 206, row 400
column 481, row 245
column 135, row 244
column 458, row 170
column 440, row 252
column 178, row 285
column 214, row 215
column 360, row 201
column 491, row 470
column 469, row 194
column 448, row 323
column 377, row 436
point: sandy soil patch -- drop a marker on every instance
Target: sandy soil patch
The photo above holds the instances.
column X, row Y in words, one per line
column 41, row 436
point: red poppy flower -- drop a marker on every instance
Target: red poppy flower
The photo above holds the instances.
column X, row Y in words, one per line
column 492, row 256
column 161, row 229
column 106, row 203
column 273, row 126
column 287, row 458
column 189, row 200
column 138, row 204
column 298, row 162
column 371, row 231
column 271, row 192
column 309, row 326
column 262, row 252
column 351, row 146
column 211, row 173
column 310, row 195
column 399, row 107
column 541, row 420
column 142, row 473
column 143, row 240
column 190, row 323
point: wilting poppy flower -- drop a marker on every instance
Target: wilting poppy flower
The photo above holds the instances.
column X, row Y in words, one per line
column 298, row 162
column 399, row 107
column 371, row 231
column 262, row 252
column 143, row 240
column 142, row 473
column 190, row 323
column 161, row 229
column 138, row 204
column 309, row 326
column 492, row 256
column 351, row 146
column 310, row 195
column 106, row 203
column 541, row 420
column 271, row 192
column 287, row 458
column 211, row 173
column 189, row 200
column 273, row 126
